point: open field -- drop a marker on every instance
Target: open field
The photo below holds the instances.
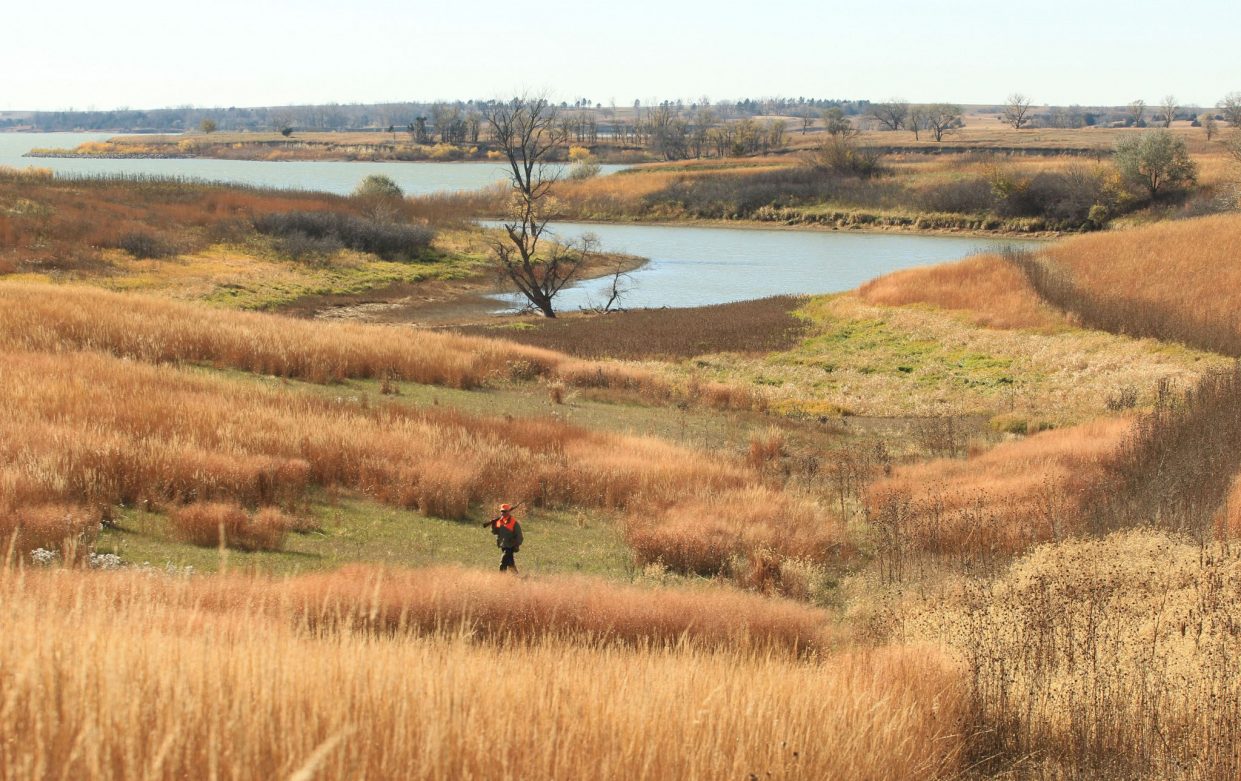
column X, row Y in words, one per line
column 357, row 146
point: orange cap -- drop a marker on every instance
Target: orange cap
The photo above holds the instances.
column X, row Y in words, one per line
column 505, row 508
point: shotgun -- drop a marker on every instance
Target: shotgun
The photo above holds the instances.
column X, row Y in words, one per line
column 498, row 517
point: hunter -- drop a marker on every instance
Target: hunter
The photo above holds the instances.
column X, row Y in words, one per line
column 508, row 537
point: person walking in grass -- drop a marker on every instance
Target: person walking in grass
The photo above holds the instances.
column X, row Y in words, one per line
column 508, row 537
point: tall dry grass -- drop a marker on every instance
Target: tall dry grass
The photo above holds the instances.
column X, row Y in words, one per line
column 1103, row 659
column 754, row 535
column 135, row 676
column 224, row 523
column 988, row 289
column 995, row 504
column 57, row 318
column 95, row 431
column 1177, row 281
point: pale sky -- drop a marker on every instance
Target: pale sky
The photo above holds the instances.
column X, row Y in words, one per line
column 146, row 54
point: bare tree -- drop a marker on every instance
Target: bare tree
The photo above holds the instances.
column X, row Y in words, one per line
column 891, row 115
column 617, row 290
column 1209, row 125
column 916, row 121
column 1169, row 108
column 1234, row 147
column 942, row 119
column 1230, row 105
column 525, row 131
column 1137, row 110
column 1017, row 110
column 807, row 120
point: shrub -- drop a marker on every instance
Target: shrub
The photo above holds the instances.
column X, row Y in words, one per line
column 301, row 246
column 202, row 523
column 146, row 246
column 378, row 186
column 388, row 240
column 1157, row 161
column 844, row 156
column 961, row 196
column 49, row 526
column 584, row 169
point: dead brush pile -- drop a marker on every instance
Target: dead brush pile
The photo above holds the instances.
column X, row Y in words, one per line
column 90, row 431
column 161, row 678
column 1102, row 659
column 53, row 318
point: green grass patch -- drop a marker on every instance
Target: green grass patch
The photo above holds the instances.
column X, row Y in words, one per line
column 353, row 530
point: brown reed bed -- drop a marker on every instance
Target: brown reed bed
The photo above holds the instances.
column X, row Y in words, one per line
column 1110, row 658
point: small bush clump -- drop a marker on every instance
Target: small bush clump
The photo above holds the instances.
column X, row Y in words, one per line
column 203, row 523
column 388, row 240
column 146, row 246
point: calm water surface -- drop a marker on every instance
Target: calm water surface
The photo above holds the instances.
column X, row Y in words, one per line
column 696, row 266
column 328, row 176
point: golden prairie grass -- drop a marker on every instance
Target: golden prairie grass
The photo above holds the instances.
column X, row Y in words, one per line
column 739, row 532
column 140, row 678
column 43, row 317
column 998, row 503
column 1102, row 659
column 1176, row 281
column 990, row 290
column 57, row 317
column 96, row 431
column 492, row 606
column 223, row 523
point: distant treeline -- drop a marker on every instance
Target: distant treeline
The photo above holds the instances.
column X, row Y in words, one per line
column 378, row 116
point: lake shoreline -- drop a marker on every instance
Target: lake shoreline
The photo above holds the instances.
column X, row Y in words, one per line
column 437, row 303
column 811, row 227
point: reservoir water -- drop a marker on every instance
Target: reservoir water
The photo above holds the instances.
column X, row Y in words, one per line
column 697, row 266
column 329, row 176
